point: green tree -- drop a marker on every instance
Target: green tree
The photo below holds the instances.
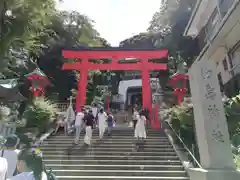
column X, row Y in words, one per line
column 73, row 30
column 170, row 21
column 23, row 24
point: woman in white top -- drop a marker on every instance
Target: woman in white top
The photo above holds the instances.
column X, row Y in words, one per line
column 3, row 168
column 30, row 165
column 140, row 131
column 102, row 118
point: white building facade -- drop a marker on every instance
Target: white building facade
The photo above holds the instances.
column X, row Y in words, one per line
column 216, row 24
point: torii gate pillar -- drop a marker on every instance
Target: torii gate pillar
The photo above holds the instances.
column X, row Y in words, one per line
column 115, row 54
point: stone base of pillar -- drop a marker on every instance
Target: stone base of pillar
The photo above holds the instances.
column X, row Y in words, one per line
column 203, row 174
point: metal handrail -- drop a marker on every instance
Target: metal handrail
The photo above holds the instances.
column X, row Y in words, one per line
column 184, row 145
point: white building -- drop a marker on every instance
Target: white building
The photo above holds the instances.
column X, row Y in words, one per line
column 216, row 24
column 130, row 88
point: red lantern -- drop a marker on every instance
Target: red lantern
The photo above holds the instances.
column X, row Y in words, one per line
column 178, row 90
column 38, row 82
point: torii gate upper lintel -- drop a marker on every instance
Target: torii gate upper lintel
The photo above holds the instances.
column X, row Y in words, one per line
column 115, row 54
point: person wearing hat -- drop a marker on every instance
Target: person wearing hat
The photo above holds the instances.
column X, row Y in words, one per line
column 10, row 153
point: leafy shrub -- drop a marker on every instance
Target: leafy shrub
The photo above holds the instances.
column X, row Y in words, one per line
column 237, row 161
column 40, row 114
column 181, row 119
column 4, row 112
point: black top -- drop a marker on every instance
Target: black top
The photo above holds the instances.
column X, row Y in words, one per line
column 89, row 119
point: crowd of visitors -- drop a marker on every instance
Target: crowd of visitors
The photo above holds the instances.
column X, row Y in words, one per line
column 24, row 164
column 27, row 163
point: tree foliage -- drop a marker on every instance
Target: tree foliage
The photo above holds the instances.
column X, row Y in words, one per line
column 166, row 31
column 23, row 24
column 33, row 35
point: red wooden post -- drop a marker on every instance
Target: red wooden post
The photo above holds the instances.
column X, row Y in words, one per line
column 115, row 54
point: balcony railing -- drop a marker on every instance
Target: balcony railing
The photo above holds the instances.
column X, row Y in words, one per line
column 202, row 39
column 209, row 31
column 224, row 6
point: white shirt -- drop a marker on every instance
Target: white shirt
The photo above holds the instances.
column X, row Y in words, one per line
column 79, row 119
column 3, row 168
column 135, row 113
column 94, row 111
column 11, row 156
column 27, row 176
column 102, row 117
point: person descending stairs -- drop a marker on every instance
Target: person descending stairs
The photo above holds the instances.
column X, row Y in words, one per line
column 114, row 157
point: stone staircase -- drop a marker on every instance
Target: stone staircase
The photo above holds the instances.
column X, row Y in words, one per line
column 114, row 157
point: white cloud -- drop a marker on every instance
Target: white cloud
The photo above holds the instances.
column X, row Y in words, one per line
column 116, row 20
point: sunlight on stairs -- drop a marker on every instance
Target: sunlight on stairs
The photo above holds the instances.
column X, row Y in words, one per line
column 113, row 158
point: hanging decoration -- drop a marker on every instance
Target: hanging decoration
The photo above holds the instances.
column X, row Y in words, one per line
column 179, row 83
column 39, row 82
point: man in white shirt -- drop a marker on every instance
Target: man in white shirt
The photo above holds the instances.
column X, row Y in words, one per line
column 79, row 125
column 10, row 153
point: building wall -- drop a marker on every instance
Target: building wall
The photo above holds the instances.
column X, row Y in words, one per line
column 125, row 84
column 221, row 26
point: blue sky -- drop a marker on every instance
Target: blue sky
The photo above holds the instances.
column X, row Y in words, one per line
column 115, row 20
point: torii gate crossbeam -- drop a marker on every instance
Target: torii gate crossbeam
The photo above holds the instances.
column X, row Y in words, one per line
column 114, row 54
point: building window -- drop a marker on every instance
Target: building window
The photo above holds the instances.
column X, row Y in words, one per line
column 225, row 65
column 220, row 82
column 230, row 60
column 236, row 87
column 212, row 23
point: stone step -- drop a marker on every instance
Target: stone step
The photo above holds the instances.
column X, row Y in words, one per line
column 103, row 162
column 115, row 167
column 113, row 135
column 112, row 148
column 104, row 145
column 99, row 152
column 122, row 130
column 120, row 177
column 85, row 172
column 116, row 157
column 107, row 139
column 116, row 139
column 107, row 153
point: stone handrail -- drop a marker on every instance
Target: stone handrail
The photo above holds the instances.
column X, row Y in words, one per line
column 184, row 145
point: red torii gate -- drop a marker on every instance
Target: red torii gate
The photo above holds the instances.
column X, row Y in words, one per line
column 115, row 54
